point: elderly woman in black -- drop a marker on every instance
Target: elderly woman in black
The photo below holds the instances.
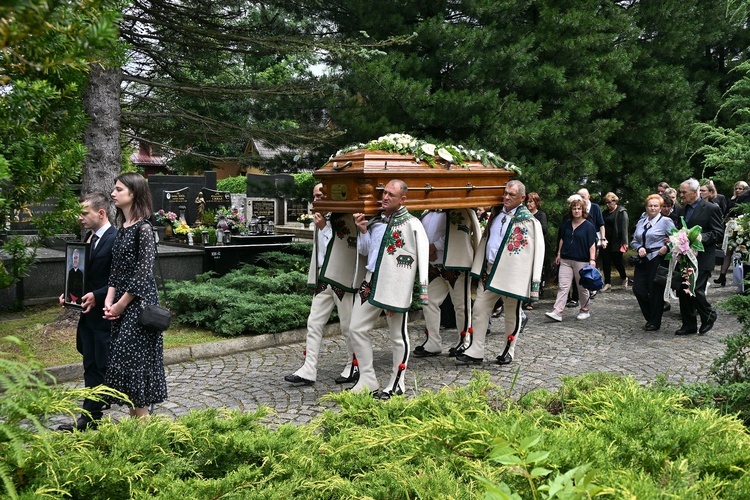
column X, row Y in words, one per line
column 616, row 229
column 650, row 241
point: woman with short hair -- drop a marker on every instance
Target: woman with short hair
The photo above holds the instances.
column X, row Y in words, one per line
column 575, row 250
column 616, row 229
column 650, row 242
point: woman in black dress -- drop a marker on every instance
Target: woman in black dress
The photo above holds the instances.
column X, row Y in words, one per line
column 136, row 356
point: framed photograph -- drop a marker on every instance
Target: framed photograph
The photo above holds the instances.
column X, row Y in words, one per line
column 76, row 256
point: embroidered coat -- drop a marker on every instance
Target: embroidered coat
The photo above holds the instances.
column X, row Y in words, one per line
column 340, row 260
column 403, row 252
column 517, row 269
column 462, row 235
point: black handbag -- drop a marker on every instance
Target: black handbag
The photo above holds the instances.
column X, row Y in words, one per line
column 661, row 275
column 153, row 317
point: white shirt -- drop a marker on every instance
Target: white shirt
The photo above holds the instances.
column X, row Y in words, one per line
column 434, row 225
column 500, row 225
column 368, row 243
column 100, row 232
column 324, row 237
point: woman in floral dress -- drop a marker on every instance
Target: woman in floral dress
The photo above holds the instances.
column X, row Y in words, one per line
column 136, row 357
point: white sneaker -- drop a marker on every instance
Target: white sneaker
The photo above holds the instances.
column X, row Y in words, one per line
column 553, row 315
column 583, row 315
column 606, row 288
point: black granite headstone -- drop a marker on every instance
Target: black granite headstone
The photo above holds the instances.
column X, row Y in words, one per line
column 295, row 208
column 263, row 208
column 216, row 199
column 176, row 200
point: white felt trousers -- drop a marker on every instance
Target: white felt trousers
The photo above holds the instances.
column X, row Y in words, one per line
column 437, row 290
column 320, row 311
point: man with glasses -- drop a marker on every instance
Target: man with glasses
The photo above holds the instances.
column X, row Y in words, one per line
column 508, row 264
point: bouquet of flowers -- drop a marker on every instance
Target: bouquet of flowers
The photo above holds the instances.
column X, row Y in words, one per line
column 182, row 229
column 684, row 244
column 165, row 218
column 737, row 238
column 305, row 218
column 234, row 220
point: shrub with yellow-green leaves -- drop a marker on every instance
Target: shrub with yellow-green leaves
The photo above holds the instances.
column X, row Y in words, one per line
column 598, row 435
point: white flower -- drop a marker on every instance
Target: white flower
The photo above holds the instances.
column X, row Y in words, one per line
column 428, row 148
column 445, row 155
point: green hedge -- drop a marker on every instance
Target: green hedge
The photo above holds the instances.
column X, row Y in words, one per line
column 597, row 435
column 269, row 297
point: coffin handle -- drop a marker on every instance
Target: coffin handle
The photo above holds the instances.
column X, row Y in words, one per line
column 342, row 167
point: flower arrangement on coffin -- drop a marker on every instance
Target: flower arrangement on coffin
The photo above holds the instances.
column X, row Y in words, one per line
column 162, row 217
column 737, row 238
column 684, row 244
column 428, row 152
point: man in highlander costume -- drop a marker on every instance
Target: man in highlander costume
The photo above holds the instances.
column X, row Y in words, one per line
column 335, row 242
column 453, row 236
column 508, row 263
column 396, row 247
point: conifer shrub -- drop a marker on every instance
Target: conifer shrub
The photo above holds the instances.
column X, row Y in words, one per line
column 611, row 437
column 269, row 296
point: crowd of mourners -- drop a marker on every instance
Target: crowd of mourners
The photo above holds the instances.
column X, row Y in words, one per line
column 493, row 263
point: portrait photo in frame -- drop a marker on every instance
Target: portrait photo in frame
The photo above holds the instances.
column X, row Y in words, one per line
column 76, row 256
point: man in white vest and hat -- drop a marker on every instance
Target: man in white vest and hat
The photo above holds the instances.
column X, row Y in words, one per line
column 508, row 264
column 335, row 241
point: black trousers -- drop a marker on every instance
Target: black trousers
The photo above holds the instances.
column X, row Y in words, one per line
column 610, row 258
column 650, row 295
column 93, row 344
column 692, row 307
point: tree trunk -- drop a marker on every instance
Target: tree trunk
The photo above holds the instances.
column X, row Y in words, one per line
column 102, row 137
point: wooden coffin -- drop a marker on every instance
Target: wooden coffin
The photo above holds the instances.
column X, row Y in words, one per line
column 353, row 182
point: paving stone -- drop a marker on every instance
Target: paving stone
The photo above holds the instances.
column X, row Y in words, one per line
column 612, row 340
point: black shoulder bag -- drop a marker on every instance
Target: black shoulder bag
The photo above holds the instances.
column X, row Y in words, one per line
column 153, row 317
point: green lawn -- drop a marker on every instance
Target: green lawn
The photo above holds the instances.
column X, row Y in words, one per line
column 49, row 332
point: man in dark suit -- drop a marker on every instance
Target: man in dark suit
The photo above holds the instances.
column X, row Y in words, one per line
column 707, row 215
column 93, row 334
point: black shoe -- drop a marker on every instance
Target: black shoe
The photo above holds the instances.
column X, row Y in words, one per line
column 455, row 351
column 344, row 380
column 706, row 327
column 419, row 348
column 667, row 307
column 82, row 424
column 296, row 380
column 423, row 353
column 386, row 395
column 686, row 331
column 504, row 360
column 721, row 280
column 651, row 328
column 463, row 359
column 572, row 303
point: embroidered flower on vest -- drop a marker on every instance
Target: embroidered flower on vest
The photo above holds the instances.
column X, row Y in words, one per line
column 518, row 239
column 394, row 242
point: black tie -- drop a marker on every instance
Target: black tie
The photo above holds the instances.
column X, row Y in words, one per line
column 94, row 239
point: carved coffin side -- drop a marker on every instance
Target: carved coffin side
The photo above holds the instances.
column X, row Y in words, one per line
column 354, row 182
